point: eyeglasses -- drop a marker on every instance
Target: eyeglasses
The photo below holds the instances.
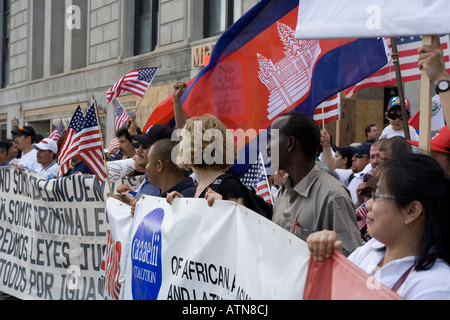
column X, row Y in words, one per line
column 360, row 156
column 394, row 116
column 375, row 195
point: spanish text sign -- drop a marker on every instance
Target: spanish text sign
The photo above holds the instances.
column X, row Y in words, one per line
column 52, row 236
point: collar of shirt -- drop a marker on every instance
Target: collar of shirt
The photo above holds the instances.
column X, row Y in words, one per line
column 49, row 166
column 5, row 164
column 304, row 187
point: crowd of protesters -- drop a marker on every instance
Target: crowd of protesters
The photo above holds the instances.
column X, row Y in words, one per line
column 380, row 202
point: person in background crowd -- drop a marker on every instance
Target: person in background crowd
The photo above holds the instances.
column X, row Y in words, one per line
column 409, row 222
column 144, row 143
column 47, row 151
column 343, row 158
column 372, row 132
column 125, row 141
column 310, row 200
column 208, row 174
column 375, row 155
column 25, row 137
column 395, row 118
column 431, row 59
column 276, row 181
column 166, row 175
column 4, row 149
column 393, row 148
column 440, row 148
column 13, row 151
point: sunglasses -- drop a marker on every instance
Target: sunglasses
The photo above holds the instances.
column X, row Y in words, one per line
column 394, row 116
column 360, row 156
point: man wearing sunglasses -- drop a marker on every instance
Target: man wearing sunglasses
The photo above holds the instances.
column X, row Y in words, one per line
column 395, row 118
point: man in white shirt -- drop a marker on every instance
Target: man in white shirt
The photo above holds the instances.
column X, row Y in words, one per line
column 47, row 150
column 24, row 138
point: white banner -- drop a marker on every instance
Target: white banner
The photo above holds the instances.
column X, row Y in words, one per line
column 190, row 251
column 371, row 18
column 52, row 235
column 112, row 272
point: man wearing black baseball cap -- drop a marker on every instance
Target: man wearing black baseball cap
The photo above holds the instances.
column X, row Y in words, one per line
column 143, row 145
column 24, row 138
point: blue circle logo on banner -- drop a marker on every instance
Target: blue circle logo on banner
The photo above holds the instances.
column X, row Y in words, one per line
column 146, row 257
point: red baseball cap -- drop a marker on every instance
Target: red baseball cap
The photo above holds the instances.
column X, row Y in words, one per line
column 440, row 142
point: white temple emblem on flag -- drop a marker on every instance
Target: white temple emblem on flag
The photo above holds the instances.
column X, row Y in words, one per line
column 289, row 79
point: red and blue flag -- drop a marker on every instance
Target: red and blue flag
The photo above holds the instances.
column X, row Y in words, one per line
column 258, row 70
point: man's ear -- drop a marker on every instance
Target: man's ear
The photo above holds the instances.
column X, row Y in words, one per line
column 290, row 144
column 160, row 166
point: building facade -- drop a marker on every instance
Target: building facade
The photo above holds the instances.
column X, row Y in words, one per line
column 58, row 54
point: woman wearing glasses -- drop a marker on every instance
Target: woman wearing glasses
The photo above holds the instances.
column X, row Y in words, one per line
column 409, row 221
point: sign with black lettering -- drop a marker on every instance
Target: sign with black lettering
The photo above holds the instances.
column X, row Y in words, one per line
column 190, row 251
column 53, row 234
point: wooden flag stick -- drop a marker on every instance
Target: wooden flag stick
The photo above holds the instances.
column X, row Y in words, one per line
column 103, row 149
column 401, row 91
column 425, row 106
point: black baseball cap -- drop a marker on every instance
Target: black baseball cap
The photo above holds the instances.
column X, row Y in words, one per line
column 363, row 148
column 25, row 131
column 153, row 134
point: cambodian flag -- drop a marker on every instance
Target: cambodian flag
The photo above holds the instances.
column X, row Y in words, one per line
column 258, row 70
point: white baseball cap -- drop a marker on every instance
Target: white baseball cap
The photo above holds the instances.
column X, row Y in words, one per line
column 47, row 144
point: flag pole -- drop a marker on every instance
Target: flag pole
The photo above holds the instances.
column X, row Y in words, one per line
column 425, row 106
column 103, row 149
column 401, row 91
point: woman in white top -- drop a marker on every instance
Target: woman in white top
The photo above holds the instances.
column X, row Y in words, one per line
column 409, row 220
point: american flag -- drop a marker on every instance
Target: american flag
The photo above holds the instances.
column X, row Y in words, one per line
column 408, row 52
column 256, row 178
column 90, row 148
column 137, row 82
column 328, row 111
column 57, row 132
column 361, row 212
column 69, row 147
column 121, row 116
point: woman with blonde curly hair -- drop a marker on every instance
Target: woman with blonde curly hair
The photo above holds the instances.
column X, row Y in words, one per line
column 207, row 147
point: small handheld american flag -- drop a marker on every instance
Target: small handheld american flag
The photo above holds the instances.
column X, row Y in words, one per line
column 256, row 178
column 122, row 116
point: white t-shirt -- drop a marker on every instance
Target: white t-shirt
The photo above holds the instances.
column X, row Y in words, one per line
column 432, row 284
column 29, row 161
column 50, row 172
column 389, row 132
column 344, row 175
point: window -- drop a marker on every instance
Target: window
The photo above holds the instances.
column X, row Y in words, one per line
column 220, row 15
column 146, row 25
column 3, row 126
column 5, row 42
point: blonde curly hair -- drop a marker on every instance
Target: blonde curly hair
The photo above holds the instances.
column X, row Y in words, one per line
column 216, row 150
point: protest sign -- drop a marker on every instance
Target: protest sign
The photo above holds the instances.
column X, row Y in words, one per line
column 112, row 271
column 338, row 278
column 190, row 251
column 52, row 235
column 371, row 19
